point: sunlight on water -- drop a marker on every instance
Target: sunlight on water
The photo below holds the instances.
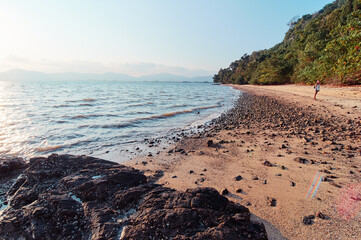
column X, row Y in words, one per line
column 39, row 118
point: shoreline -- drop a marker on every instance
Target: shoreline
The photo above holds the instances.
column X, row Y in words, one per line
column 268, row 160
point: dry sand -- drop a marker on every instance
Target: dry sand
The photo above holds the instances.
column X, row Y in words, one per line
column 244, row 150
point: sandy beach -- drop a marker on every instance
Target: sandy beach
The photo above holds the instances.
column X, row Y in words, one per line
column 293, row 161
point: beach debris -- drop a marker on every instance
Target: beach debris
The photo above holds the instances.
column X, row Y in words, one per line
column 210, row 143
column 293, row 184
column 144, row 163
column 239, row 190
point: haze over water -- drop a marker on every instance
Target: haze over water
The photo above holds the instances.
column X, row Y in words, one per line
column 95, row 118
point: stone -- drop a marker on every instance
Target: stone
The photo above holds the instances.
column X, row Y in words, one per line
column 267, row 164
column 224, row 191
column 238, row 178
column 272, row 202
column 307, row 221
column 320, row 215
column 300, row 160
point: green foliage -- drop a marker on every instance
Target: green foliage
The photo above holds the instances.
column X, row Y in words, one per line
column 323, row 46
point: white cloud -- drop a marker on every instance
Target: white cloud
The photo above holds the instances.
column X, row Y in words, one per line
column 85, row 66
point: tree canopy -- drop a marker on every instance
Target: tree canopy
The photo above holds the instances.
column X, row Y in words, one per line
column 324, row 46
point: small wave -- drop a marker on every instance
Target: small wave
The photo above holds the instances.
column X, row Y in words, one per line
column 49, row 148
column 171, row 114
column 86, row 104
column 121, row 125
column 180, row 105
column 61, row 121
column 140, row 104
column 61, row 106
column 83, row 100
column 88, row 99
column 92, row 116
column 131, row 123
column 79, row 116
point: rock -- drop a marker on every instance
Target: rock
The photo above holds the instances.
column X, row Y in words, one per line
column 79, row 197
column 144, row 163
column 293, row 184
column 9, row 165
column 300, row 160
column 272, row 202
column 238, row 178
column 224, row 191
column 194, row 214
column 307, row 221
column 348, row 147
column 320, row 215
column 201, row 179
column 267, row 164
column 210, row 143
column 255, row 178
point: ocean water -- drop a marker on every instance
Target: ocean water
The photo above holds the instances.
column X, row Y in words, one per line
column 101, row 118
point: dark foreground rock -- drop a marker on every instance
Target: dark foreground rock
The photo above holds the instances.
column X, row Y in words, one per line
column 79, row 197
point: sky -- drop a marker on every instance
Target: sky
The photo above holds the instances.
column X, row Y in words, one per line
column 141, row 37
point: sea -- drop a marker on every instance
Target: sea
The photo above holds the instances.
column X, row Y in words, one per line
column 106, row 119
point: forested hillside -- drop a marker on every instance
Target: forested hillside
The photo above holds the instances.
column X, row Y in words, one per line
column 325, row 46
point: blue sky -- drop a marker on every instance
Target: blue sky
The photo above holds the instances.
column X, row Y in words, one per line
column 140, row 37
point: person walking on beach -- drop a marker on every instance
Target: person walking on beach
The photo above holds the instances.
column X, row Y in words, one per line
column 317, row 88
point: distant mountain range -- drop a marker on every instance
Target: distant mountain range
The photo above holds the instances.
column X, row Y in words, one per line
column 25, row 75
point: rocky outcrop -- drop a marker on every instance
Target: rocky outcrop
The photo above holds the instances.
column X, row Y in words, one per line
column 79, row 197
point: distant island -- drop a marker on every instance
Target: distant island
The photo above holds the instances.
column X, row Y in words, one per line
column 322, row 46
column 25, row 75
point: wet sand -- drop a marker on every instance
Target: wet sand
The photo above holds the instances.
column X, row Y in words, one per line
column 293, row 161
